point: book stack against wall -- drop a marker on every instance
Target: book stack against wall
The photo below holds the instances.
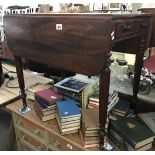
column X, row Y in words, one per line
column 94, row 100
column 68, row 116
column 90, row 126
column 45, row 103
column 129, row 134
column 30, row 91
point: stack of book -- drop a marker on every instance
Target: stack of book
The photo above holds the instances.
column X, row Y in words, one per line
column 68, row 116
column 90, row 126
column 45, row 103
column 30, row 91
column 71, row 88
column 129, row 134
column 94, row 100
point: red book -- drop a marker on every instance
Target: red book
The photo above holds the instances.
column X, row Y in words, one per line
column 49, row 96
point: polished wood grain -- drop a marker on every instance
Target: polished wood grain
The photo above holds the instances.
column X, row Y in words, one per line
column 81, row 46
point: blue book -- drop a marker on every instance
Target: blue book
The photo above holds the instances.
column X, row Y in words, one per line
column 68, row 108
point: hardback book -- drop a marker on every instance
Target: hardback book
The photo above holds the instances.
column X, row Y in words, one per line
column 122, row 106
column 130, row 113
column 30, row 91
column 42, row 117
column 93, row 105
column 69, row 132
column 72, row 84
column 69, row 122
column 37, row 87
column 91, row 119
column 83, row 141
column 128, row 147
column 49, row 95
column 89, row 142
column 123, row 144
column 95, row 96
column 148, row 119
column 91, row 138
column 68, row 125
column 44, row 112
column 68, row 109
column 93, row 102
column 133, row 132
column 111, row 105
column 86, row 92
column 66, row 130
column 44, row 104
column 91, row 133
column 113, row 102
column 116, row 113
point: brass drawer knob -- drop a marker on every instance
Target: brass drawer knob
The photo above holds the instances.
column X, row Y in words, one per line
column 37, row 132
column 19, row 122
column 127, row 28
column 56, row 144
column 144, row 24
column 40, row 147
column 24, row 137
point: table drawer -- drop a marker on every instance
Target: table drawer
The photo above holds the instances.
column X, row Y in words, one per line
column 129, row 27
column 59, row 143
column 31, row 143
column 36, row 130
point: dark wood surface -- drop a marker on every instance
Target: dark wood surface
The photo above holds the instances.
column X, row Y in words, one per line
column 1, row 74
column 82, row 46
column 152, row 11
column 82, row 38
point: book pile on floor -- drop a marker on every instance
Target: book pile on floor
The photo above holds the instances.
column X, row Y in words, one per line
column 45, row 103
column 68, row 116
column 90, row 126
column 129, row 134
column 94, row 100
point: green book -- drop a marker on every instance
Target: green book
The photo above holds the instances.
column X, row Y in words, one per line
column 133, row 132
column 123, row 144
column 148, row 119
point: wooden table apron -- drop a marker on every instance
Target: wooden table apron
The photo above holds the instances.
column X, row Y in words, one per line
column 80, row 43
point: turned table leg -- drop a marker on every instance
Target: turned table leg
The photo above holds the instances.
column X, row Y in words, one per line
column 19, row 69
column 138, row 68
column 1, row 74
column 104, row 82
